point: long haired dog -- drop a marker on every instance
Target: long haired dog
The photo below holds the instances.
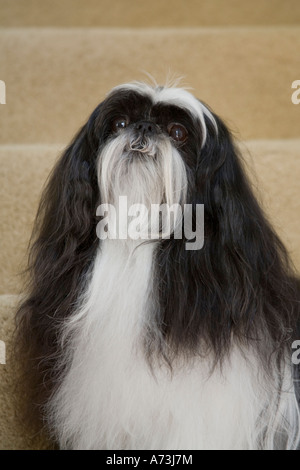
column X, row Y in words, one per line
column 138, row 343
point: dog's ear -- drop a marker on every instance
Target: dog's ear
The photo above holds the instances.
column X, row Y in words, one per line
column 238, row 283
column 65, row 225
column 63, row 244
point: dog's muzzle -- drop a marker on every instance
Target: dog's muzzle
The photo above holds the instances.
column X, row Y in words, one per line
column 144, row 133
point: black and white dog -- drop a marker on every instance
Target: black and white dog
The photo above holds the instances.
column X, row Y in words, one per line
column 138, row 343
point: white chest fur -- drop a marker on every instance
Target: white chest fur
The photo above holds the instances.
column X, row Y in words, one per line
column 110, row 398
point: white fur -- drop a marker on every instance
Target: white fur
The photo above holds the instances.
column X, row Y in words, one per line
column 176, row 96
column 111, row 399
column 156, row 176
column 159, row 174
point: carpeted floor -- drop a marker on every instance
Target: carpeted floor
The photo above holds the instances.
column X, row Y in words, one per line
column 58, row 60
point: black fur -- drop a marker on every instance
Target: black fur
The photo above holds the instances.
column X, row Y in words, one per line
column 241, row 282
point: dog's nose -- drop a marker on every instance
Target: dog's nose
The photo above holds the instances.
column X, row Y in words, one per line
column 146, row 128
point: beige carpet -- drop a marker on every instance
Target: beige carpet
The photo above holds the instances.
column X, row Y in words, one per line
column 14, row 435
column 55, row 78
column 60, row 58
column 141, row 14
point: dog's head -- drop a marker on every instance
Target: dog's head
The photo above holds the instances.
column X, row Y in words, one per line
column 148, row 142
column 145, row 143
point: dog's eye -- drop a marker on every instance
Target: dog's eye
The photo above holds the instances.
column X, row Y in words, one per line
column 120, row 123
column 177, row 131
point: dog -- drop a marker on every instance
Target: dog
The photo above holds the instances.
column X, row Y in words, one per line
column 154, row 341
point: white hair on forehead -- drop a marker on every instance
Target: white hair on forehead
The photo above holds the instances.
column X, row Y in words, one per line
column 173, row 95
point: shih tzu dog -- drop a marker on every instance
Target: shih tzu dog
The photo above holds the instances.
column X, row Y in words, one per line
column 139, row 335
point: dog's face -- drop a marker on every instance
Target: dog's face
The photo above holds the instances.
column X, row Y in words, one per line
column 151, row 138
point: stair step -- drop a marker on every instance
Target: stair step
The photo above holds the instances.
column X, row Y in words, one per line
column 14, row 435
column 272, row 165
column 24, row 169
column 54, row 78
column 134, row 13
